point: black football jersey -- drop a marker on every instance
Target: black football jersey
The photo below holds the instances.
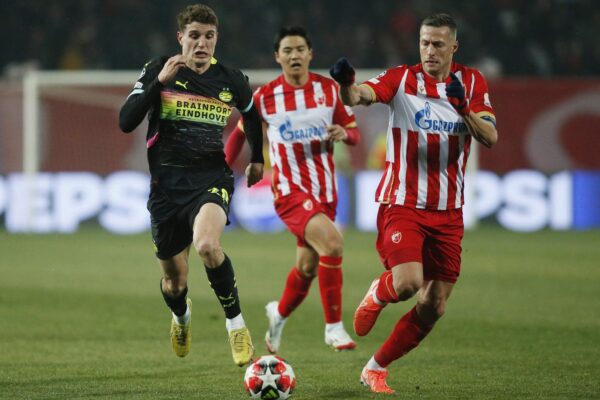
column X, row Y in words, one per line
column 187, row 116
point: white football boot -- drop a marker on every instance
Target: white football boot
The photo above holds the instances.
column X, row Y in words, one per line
column 337, row 337
column 276, row 323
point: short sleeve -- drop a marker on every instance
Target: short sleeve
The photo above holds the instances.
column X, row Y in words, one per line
column 385, row 85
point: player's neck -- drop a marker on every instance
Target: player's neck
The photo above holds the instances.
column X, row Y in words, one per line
column 199, row 69
column 296, row 80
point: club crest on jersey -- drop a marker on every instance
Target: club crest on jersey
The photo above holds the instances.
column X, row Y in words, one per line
column 225, row 95
column 423, row 120
column 396, row 237
column 320, row 99
column 307, row 204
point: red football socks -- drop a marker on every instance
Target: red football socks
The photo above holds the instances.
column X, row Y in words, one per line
column 295, row 291
column 407, row 335
column 385, row 290
column 330, row 286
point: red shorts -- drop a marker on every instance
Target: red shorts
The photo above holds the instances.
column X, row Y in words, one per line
column 432, row 238
column 297, row 208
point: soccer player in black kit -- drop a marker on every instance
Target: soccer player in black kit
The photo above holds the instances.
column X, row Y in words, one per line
column 188, row 99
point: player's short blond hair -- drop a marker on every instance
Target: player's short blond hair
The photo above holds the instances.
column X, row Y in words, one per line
column 197, row 13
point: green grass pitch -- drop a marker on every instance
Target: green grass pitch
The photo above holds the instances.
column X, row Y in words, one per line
column 81, row 317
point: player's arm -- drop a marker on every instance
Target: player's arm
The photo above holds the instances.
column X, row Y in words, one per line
column 146, row 91
column 253, row 131
column 235, row 142
column 481, row 126
column 350, row 93
column 139, row 101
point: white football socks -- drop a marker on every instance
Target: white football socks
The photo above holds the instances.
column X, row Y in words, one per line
column 334, row 326
column 182, row 320
column 372, row 364
column 235, row 323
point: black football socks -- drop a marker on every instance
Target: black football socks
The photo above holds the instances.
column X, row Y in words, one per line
column 176, row 304
column 222, row 281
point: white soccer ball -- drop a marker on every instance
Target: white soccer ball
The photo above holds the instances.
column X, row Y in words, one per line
column 269, row 377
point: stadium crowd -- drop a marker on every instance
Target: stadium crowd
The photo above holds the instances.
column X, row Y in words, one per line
column 501, row 37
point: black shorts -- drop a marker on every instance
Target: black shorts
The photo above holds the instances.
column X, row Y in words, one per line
column 172, row 213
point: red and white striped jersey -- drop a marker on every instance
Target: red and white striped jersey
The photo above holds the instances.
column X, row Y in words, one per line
column 297, row 120
column 427, row 140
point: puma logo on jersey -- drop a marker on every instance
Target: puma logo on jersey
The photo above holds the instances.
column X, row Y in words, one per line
column 183, row 85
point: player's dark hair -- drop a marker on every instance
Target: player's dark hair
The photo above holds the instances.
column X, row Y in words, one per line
column 441, row 19
column 197, row 13
column 290, row 31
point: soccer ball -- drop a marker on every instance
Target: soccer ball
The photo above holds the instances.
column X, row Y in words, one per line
column 269, row 377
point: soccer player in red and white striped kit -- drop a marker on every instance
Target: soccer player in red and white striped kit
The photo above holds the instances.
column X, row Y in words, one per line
column 436, row 108
column 303, row 117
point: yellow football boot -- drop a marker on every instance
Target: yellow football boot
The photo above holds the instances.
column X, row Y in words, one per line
column 181, row 335
column 242, row 349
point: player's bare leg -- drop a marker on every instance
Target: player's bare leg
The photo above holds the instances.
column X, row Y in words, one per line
column 173, row 286
column 398, row 284
column 326, row 239
column 208, row 228
column 401, row 283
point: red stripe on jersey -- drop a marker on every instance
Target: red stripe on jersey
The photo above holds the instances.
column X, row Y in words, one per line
column 431, row 88
column 410, row 85
column 412, row 169
column 302, row 166
column 289, row 98
column 309, row 96
column 315, row 147
column 452, row 169
column 433, row 171
column 269, row 99
column 382, row 184
column 327, row 89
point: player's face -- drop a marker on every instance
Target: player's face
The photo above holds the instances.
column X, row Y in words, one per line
column 294, row 55
column 198, row 43
column 437, row 45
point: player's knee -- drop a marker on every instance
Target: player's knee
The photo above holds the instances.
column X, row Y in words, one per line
column 405, row 289
column 334, row 246
column 207, row 249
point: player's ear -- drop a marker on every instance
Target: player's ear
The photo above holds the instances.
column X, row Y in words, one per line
column 179, row 38
column 455, row 46
column 276, row 55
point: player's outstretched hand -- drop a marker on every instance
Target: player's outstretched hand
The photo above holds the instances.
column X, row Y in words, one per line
column 342, row 72
column 169, row 70
column 254, row 173
column 455, row 92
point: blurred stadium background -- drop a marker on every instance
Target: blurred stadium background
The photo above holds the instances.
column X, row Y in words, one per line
column 65, row 168
column 541, row 58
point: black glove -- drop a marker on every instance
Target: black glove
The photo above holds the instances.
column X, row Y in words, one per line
column 342, row 72
column 455, row 92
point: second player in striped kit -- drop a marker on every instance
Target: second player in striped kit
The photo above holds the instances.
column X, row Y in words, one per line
column 303, row 117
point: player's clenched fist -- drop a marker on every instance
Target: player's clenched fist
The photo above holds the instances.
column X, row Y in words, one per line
column 170, row 68
column 455, row 92
column 342, row 72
